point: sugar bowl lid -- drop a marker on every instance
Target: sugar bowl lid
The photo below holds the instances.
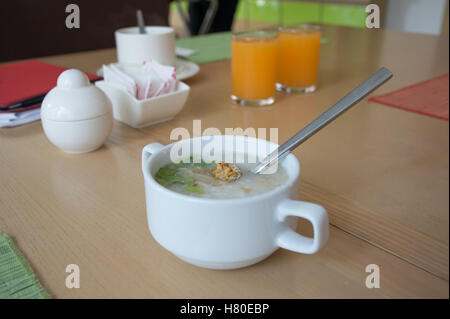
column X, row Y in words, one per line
column 74, row 99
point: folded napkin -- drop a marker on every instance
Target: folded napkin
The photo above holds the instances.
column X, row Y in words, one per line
column 149, row 80
column 17, row 279
column 10, row 119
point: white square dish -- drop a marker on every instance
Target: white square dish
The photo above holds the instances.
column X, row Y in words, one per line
column 140, row 113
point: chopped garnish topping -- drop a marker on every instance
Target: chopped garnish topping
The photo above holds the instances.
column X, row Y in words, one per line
column 226, row 172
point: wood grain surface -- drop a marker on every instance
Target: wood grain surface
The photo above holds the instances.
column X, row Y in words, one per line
column 381, row 173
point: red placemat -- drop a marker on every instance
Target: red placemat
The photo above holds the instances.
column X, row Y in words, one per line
column 428, row 98
column 24, row 80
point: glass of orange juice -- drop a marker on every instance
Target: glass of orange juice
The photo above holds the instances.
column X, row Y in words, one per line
column 254, row 67
column 298, row 60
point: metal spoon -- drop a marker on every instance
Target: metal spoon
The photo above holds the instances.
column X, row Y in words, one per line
column 369, row 85
column 140, row 21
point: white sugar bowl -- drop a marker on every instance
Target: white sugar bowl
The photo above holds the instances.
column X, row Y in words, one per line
column 76, row 115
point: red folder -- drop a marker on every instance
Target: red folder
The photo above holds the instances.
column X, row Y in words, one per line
column 24, row 80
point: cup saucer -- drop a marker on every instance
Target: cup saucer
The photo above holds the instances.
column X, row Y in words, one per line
column 185, row 69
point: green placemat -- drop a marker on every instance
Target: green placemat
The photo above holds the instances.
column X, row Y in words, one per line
column 211, row 47
column 17, row 279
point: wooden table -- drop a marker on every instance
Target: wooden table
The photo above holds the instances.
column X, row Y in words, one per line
column 382, row 174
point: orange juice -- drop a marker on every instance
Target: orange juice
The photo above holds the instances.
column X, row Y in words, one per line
column 298, row 58
column 254, row 68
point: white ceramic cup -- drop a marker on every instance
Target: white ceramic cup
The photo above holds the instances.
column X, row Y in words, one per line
column 134, row 48
column 229, row 233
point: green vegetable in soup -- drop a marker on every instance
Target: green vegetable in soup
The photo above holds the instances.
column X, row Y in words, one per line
column 189, row 181
column 170, row 174
column 194, row 189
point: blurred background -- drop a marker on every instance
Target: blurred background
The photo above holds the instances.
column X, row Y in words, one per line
column 37, row 28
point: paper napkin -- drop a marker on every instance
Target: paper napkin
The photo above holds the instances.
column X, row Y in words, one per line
column 18, row 118
column 147, row 81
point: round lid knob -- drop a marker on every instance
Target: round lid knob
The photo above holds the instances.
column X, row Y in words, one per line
column 74, row 99
column 72, row 79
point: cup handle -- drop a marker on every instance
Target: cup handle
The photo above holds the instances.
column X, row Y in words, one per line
column 149, row 150
column 291, row 240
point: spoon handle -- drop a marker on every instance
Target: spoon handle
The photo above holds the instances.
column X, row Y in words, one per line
column 378, row 78
column 140, row 21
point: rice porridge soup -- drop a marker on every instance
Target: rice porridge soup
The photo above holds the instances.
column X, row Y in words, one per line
column 201, row 180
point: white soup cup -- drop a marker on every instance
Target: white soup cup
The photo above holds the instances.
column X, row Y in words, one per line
column 229, row 233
